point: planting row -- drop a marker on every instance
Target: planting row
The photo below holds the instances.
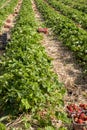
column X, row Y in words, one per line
column 77, row 16
column 10, row 21
column 75, row 1
column 26, row 78
column 81, row 1
column 76, row 5
column 4, row 12
column 8, row 25
column 72, row 36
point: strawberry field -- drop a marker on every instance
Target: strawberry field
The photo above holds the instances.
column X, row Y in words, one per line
column 31, row 95
column 6, row 10
column 66, row 30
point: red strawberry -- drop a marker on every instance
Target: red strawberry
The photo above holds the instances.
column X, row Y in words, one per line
column 82, row 116
column 75, row 107
column 84, row 106
column 70, row 109
column 80, row 121
column 79, row 111
column 81, row 105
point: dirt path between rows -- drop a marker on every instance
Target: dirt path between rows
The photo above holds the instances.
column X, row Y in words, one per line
column 64, row 65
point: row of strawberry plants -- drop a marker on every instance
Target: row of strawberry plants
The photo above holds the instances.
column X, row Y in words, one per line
column 81, row 1
column 26, row 77
column 4, row 12
column 75, row 5
column 72, row 36
column 71, row 13
column 75, row 1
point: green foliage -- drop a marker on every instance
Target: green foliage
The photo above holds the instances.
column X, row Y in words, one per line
column 63, row 117
column 49, row 128
column 2, row 3
column 27, row 81
column 66, row 31
column 79, row 5
column 7, row 10
column 77, row 16
column 2, row 126
column 62, row 128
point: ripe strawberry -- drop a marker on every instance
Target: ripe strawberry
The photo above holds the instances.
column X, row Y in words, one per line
column 75, row 107
column 81, row 105
column 79, row 111
column 70, row 109
column 82, row 116
column 85, row 106
column 80, row 121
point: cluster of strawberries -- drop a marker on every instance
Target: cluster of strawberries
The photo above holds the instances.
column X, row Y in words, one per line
column 73, row 108
column 78, row 113
column 80, row 118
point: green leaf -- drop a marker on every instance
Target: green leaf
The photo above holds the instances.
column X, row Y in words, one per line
column 49, row 128
column 25, row 104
